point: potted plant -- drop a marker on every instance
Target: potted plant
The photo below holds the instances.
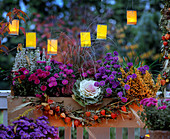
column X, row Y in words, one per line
column 156, row 117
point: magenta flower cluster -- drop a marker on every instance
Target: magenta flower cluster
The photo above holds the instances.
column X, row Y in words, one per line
column 45, row 79
column 149, row 102
column 25, row 128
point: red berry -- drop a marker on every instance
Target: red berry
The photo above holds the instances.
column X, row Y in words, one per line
column 67, row 119
column 103, row 112
column 163, row 38
column 76, row 122
column 165, row 43
column 57, row 109
column 167, row 36
column 123, row 108
column 88, row 114
column 95, row 117
column 113, row 115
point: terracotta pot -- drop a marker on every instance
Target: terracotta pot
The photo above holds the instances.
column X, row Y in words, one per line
column 159, row 134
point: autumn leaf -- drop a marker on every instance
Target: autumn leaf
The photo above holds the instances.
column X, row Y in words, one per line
column 22, row 29
column 9, row 14
column 4, row 49
column 20, row 17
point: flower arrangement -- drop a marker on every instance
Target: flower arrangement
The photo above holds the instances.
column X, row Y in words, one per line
column 25, row 128
column 51, row 78
column 155, row 114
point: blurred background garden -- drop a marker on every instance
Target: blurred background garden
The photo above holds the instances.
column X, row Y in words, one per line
column 65, row 19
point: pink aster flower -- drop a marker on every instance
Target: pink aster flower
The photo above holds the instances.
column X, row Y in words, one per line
column 84, row 74
column 61, row 72
column 70, row 71
column 64, row 82
column 47, row 73
column 43, row 87
column 124, row 99
column 64, row 75
column 26, row 72
column 38, row 95
column 39, row 71
column 56, row 75
column 37, row 81
column 22, row 77
column 47, row 67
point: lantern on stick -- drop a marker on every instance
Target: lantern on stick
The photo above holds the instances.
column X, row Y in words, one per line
column 131, row 17
column 52, row 46
column 14, row 27
column 31, row 40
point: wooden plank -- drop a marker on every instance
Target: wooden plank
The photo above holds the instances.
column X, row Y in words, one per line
column 118, row 133
column 99, row 133
column 5, row 117
column 142, row 132
column 67, row 133
column 131, row 133
column 80, row 133
column 68, row 101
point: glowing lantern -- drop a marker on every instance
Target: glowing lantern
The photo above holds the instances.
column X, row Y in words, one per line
column 131, row 17
column 85, row 39
column 101, row 31
column 31, row 40
column 14, row 27
column 52, row 46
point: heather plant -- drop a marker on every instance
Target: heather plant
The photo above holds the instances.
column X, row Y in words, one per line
column 51, row 79
column 140, row 82
column 25, row 128
column 155, row 113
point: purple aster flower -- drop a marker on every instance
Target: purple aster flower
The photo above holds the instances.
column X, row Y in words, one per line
column 109, row 91
column 47, row 67
column 108, row 54
column 26, row 72
column 130, row 64
column 114, row 72
column 108, row 71
column 115, row 53
column 104, row 77
column 120, row 94
column 114, row 85
column 97, row 75
column 119, row 73
column 129, row 76
column 64, row 82
column 84, row 74
column 134, row 76
column 127, row 87
column 116, row 66
column 146, row 67
column 124, row 99
column 112, row 62
column 97, row 84
column 107, row 66
column 102, row 83
column 115, row 58
column 111, row 77
column 21, row 132
column 105, row 62
column 99, row 61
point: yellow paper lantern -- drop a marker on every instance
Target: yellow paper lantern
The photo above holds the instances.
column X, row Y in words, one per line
column 52, row 46
column 131, row 17
column 101, row 31
column 14, row 27
column 31, row 40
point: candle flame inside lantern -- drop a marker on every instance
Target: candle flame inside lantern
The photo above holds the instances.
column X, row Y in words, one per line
column 14, row 27
column 31, row 40
column 131, row 17
column 52, row 46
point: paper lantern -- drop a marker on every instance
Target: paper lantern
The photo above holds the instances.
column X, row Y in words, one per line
column 52, row 46
column 131, row 17
column 85, row 39
column 31, row 40
column 14, row 27
column 101, row 31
